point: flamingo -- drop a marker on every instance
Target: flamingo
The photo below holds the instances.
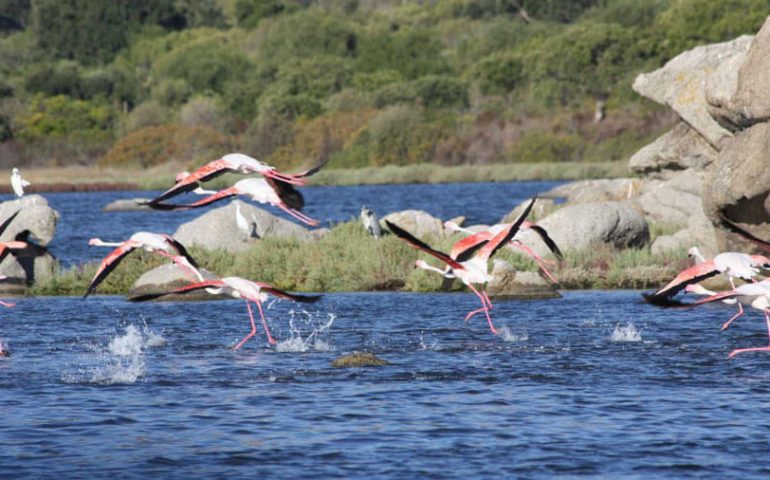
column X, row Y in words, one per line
column 471, row 266
column 514, row 243
column 233, row 163
column 198, row 190
column 757, row 295
column 18, row 183
column 732, row 264
column 163, row 244
column 262, row 190
column 241, row 288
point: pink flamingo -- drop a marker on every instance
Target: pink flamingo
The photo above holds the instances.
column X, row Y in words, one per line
column 232, row 163
column 471, row 266
column 732, row 264
column 241, row 288
column 262, row 190
column 514, row 243
column 163, row 244
column 756, row 294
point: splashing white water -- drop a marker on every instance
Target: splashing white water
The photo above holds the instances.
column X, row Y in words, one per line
column 313, row 341
column 627, row 333
column 122, row 361
column 509, row 336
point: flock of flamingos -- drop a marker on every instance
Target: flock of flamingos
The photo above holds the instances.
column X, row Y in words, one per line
column 468, row 259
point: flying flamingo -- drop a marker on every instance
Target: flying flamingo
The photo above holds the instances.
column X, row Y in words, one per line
column 732, row 264
column 18, row 183
column 163, row 244
column 238, row 287
column 263, row 190
column 233, row 163
column 471, row 266
column 757, row 295
column 514, row 243
column 198, row 190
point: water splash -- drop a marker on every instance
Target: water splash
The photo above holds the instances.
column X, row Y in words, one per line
column 509, row 336
column 122, row 361
column 627, row 333
column 313, row 341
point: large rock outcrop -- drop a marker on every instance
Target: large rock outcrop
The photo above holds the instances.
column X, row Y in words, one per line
column 35, row 223
column 219, row 229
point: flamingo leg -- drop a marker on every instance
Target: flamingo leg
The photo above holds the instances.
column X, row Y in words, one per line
column 755, row 349
column 253, row 328
column 541, row 262
column 7, row 304
column 485, row 309
column 727, row 323
column 270, row 339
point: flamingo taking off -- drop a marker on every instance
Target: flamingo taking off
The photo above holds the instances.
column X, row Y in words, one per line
column 241, row 288
column 18, row 183
column 757, row 295
column 262, row 190
column 514, row 243
column 233, row 163
column 163, row 244
column 472, row 266
column 732, row 264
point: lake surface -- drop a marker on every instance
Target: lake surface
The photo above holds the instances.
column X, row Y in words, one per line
column 595, row 384
column 82, row 218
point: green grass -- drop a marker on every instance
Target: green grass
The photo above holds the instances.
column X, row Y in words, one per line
column 348, row 259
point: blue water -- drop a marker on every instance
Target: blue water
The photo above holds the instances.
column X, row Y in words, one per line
column 82, row 218
column 595, row 384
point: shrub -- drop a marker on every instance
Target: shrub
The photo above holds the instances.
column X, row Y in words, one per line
column 687, row 23
column 499, row 73
column 171, row 92
column 370, row 81
column 206, row 65
column 547, row 147
column 395, row 93
column 147, row 114
column 317, row 77
column 203, row 112
column 156, row 145
column 411, row 52
column 61, row 79
column 289, row 106
column 61, row 116
column 440, row 91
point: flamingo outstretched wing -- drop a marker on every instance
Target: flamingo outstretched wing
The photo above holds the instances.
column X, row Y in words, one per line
column 108, row 265
column 189, row 183
column 286, row 295
column 220, row 195
column 505, row 236
column 540, row 231
column 420, row 245
column 8, row 221
column 181, row 249
column 695, row 274
column 181, row 290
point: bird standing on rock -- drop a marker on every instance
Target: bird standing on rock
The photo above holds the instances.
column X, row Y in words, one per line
column 18, row 183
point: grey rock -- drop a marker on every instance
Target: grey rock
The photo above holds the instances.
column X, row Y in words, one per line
column 34, row 215
column 668, row 243
column 576, row 227
column 542, row 208
column 681, row 84
column 127, row 205
column 168, row 277
column 751, row 102
column 720, row 91
column 417, row 222
column 593, row 191
column 668, row 205
column 218, row 230
column 739, row 182
column 680, row 148
column 507, row 283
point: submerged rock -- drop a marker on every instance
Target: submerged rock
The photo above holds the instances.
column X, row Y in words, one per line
column 359, row 359
column 127, row 205
column 508, row 284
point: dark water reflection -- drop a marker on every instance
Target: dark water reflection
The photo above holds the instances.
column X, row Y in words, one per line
column 596, row 384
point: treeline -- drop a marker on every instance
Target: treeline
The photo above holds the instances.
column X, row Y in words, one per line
column 363, row 82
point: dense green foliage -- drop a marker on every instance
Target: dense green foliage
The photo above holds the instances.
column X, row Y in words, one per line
column 364, row 83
